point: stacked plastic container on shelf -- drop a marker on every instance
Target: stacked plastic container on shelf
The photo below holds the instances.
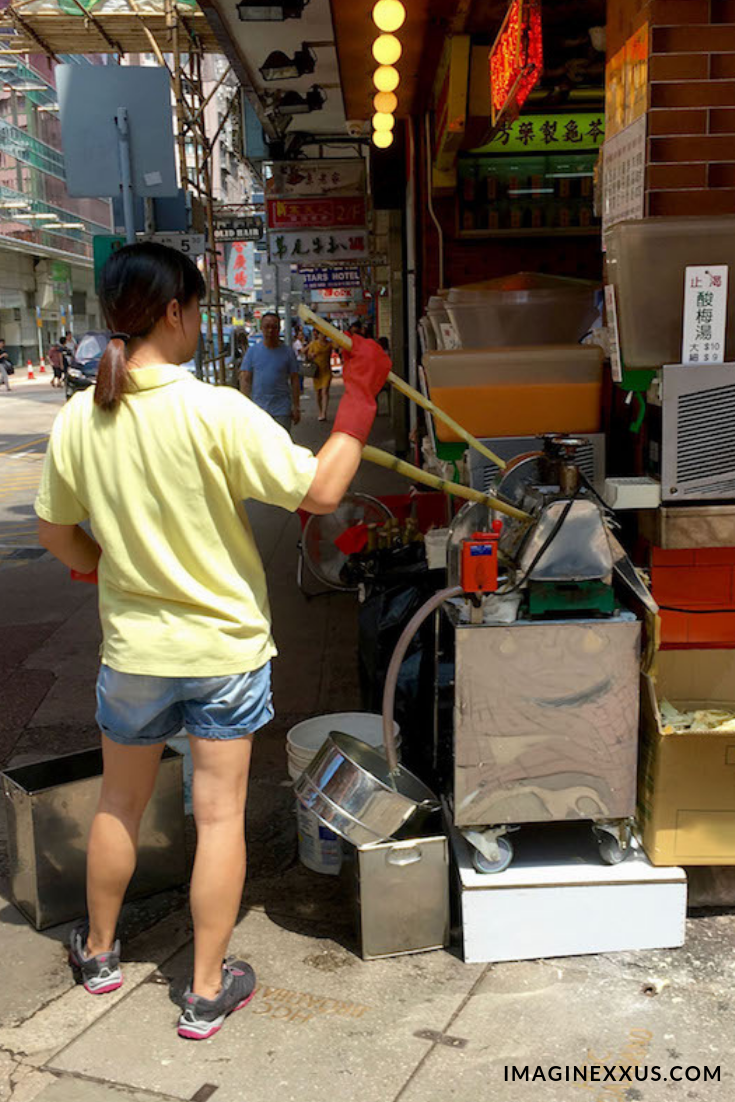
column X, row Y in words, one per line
column 524, row 309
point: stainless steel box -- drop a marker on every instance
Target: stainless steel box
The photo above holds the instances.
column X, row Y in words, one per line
column 545, row 721
column 50, row 806
column 401, row 891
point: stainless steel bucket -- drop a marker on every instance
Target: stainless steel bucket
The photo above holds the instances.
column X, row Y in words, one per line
column 349, row 787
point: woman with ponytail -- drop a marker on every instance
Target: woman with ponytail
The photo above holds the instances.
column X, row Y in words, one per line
column 161, row 465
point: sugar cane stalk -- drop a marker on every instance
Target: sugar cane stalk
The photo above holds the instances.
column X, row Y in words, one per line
column 391, row 463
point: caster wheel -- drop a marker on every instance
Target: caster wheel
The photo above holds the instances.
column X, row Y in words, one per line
column 505, row 857
column 611, row 852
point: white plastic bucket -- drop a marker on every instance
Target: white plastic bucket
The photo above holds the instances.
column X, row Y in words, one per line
column 319, row 848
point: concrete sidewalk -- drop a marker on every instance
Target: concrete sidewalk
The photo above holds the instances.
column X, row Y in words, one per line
column 324, row 1024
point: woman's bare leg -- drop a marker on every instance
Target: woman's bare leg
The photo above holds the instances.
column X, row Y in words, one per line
column 127, row 784
column 221, row 769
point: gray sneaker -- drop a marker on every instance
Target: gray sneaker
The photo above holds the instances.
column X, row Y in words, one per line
column 202, row 1018
column 100, row 974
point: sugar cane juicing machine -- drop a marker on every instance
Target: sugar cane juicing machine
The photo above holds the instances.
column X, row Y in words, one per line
column 537, row 720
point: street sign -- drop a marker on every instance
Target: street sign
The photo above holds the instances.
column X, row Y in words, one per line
column 317, row 279
column 103, row 246
column 241, row 267
column 246, row 228
column 90, row 99
column 316, row 213
column 191, row 244
column 318, row 177
column 311, row 246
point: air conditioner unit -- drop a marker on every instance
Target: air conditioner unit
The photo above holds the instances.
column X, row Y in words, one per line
column 692, row 434
column 483, row 472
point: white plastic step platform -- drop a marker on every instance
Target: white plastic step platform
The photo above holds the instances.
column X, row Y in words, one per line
column 557, row 899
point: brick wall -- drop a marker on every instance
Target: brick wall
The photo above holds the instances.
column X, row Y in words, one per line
column 691, row 151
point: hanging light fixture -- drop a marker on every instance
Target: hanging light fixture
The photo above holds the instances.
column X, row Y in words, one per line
column 291, row 103
column 389, row 15
column 383, row 121
column 385, row 102
column 383, row 138
column 387, row 49
column 279, row 66
column 386, row 78
column 266, row 11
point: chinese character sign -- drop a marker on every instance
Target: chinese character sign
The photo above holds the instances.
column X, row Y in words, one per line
column 705, row 315
column 291, row 179
column 557, row 133
column 624, row 175
column 317, row 246
column 322, row 213
column 241, row 266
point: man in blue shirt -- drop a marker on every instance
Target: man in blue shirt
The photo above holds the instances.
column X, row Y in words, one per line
column 270, row 375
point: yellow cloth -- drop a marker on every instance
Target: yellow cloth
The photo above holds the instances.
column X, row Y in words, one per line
column 182, row 589
column 322, row 357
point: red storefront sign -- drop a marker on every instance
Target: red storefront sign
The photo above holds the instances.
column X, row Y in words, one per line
column 296, row 214
column 516, row 59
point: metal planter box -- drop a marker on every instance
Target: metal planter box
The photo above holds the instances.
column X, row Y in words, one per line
column 50, row 805
column 401, row 891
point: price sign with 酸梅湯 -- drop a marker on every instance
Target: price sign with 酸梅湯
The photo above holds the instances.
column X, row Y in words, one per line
column 705, row 314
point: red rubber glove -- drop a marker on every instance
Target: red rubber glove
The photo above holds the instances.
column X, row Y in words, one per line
column 364, row 372
column 91, row 578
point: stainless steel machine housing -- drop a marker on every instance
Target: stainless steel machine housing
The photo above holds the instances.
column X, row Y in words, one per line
column 545, row 720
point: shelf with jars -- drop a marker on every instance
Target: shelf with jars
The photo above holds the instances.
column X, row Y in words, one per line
column 536, row 176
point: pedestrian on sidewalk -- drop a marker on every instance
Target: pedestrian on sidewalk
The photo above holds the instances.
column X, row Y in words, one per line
column 6, row 365
column 237, row 356
column 56, row 360
column 320, row 352
column 270, row 375
column 161, row 465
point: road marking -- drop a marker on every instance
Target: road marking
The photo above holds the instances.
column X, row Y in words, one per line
column 25, row 444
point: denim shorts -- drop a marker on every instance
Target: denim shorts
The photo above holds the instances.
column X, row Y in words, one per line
column 140, row 710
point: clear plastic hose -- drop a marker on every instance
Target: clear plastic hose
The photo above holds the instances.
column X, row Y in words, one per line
column 391, row 678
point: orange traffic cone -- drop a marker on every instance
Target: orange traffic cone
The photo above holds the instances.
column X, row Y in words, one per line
column 30, row 370
column 42, row 370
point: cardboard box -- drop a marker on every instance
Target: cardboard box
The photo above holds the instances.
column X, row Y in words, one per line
column 686, row 797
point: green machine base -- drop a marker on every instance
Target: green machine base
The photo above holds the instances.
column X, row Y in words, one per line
column 560, row 598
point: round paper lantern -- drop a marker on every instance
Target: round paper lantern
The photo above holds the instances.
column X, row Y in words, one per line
column 386, row 78
column 388, row 15
column 387, row 49
column 382, row 121
column 385, row 103
column 383, row 138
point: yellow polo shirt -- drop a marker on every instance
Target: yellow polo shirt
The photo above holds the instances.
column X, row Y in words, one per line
column 182, row 590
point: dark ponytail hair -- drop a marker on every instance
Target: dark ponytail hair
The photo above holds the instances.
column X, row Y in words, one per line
column 136, row 285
